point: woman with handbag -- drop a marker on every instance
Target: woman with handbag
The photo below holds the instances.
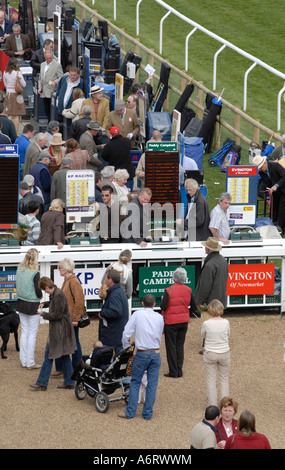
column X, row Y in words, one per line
column 14, row 82
column 76, row 304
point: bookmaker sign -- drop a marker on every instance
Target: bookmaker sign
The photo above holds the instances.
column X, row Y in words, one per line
column 155, row 279
column 247, row 279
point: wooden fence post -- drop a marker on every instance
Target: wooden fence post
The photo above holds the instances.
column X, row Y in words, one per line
column 200, row 100
column 237, row 126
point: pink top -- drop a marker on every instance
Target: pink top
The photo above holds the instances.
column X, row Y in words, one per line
column 10, row 80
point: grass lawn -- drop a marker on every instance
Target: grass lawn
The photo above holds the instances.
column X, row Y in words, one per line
column 253, row 26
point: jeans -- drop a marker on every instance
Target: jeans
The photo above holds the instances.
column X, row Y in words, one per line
column 45, row 372
column 149, row 361
column 76, row 356
column 29, row 330
column 217, row 362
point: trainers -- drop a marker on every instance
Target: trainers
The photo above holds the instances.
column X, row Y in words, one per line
column 35, row 366
column 122, row 414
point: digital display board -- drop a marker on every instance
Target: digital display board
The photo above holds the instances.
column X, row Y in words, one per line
column 162, row 176
column 9, row 191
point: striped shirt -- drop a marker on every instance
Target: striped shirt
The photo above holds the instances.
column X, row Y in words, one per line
column 34, row 232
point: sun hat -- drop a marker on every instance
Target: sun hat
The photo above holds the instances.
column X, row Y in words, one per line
column 212, row 244
column 57, row 139
column 259, row 161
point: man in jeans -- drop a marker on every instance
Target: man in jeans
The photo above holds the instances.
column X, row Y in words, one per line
column 147, row 325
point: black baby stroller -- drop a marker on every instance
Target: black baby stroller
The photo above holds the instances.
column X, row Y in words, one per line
column 103, row 378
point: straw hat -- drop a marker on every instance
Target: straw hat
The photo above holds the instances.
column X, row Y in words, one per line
column 57, row 139
column 95, row 89
column 212, row 244
column 258, row 160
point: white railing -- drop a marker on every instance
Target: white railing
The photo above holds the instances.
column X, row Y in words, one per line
column 255, row 61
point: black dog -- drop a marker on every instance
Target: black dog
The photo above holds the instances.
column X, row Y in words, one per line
column 9, row 323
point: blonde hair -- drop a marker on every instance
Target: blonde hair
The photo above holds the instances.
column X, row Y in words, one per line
column 125, row 257
column 215, row 308
column 77, row 93
column 56, row 204
column 31, row 260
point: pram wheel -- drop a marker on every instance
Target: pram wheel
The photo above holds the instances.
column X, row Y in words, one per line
column 102, row 402
column 80, row 391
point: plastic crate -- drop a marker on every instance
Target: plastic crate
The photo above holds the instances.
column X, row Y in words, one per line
column 237, row 300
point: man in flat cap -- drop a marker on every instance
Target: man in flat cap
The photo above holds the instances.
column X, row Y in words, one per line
column 58, row 184
column 100, row 106
column 86, row 142
column 126, row 120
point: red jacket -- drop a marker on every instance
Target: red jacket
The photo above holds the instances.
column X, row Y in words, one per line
column 175, row 304
column 254, row 441
column 221, row 434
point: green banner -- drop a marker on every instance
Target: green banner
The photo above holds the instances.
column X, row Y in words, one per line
column 156, row 279
column 163, row 146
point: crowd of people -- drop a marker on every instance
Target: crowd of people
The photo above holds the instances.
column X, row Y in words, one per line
column 101, row 139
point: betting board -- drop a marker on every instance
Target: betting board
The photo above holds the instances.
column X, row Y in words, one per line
column 242, row 186
column 162, row 176
column 80, row 195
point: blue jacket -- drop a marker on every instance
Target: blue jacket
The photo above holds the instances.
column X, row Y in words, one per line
column 115, row 312
column 23, row 142
column 8, row 28
column 61, row 89
column 43, row 180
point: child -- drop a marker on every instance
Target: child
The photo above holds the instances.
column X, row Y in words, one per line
column 97, row 347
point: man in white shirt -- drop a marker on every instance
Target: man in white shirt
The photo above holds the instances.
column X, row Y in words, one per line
column 147, row 325
column 219, row 224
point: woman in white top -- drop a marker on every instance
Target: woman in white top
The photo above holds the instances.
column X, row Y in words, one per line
column 14, row 104
column 216, row 332
column 123, row 267
column 73, row 112
column 121, row 191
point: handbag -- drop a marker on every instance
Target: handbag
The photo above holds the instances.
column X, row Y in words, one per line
column 18, row 86
column 84, row 320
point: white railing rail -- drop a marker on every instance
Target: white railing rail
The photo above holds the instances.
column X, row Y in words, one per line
column 225, row 43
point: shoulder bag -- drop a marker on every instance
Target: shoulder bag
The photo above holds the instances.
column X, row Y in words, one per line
column 18, row 86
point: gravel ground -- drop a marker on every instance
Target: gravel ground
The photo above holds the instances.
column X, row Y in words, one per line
column 55, row 419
